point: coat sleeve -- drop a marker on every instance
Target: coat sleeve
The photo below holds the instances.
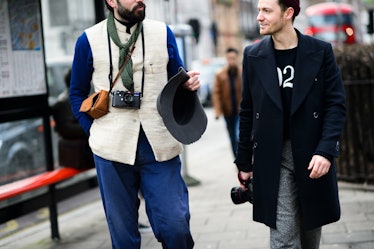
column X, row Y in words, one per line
column 335, row 110
column 174, row 58
column 216, row 93
column 244, row 154
column 80, row 83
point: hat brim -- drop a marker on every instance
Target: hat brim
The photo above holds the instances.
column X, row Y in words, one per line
column 181, row 110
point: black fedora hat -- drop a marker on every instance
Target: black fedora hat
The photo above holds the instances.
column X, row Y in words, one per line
column 181, row 110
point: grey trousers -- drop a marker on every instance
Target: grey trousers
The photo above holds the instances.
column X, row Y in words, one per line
column 289, row 232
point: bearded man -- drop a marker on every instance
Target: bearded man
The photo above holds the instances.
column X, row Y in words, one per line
column 133, row 150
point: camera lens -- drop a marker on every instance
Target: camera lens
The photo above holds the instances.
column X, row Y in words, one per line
column 239, row 195
column 128, row 98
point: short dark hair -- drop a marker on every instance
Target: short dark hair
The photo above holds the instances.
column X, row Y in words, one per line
column 234, row 50
column 108, row 6
column 295, row 4
column 282, row 5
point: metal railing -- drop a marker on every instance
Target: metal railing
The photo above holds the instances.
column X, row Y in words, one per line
column 356, row 161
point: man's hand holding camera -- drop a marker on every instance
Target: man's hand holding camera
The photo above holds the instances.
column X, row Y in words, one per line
column 243, row 177
column 243, row 193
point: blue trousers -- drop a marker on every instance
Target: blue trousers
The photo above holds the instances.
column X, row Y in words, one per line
column 164, row 191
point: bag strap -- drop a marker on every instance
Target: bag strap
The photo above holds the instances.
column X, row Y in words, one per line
column 128, row 56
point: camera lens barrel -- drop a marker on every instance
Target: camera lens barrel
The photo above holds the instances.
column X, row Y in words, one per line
column 128, row 98
column 239, row 195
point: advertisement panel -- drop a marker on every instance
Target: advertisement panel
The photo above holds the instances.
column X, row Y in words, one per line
column 22, row 71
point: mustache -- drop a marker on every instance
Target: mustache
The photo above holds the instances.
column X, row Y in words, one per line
column 139, row 5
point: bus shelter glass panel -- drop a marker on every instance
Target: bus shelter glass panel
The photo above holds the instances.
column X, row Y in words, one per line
column 21, row 149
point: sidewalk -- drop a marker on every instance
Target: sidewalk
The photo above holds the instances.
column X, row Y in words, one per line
column 216, row 223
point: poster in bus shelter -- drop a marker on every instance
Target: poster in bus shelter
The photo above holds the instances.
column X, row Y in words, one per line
column 22, row 71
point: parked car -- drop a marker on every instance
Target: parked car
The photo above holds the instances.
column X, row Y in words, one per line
column 207, row 68
column 21, row 149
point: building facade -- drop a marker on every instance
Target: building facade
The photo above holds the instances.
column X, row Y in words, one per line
column 216, row 24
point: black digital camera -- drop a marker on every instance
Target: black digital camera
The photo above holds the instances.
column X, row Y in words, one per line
column 240, row 195
column 126, row 99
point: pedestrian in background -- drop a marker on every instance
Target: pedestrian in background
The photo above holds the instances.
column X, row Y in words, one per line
column 133, row 149
column 226, row 97
column 73, row 148
column 66, row 124
column 291, row 119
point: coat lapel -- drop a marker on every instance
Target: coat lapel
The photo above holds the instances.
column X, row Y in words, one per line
column 308, row 62
column 266, row 67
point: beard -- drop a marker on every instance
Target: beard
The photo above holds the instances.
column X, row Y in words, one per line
column 132, row 16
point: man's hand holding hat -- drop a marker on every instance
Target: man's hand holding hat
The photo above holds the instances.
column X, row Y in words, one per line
column 193, row 83
column 180, row 108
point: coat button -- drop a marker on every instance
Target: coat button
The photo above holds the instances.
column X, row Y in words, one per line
column 337, row 146
column 315, row 80
column 315, row 114
column 257, row 115
column 254, row 145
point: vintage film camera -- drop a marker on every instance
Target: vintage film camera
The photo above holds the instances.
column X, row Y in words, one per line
column 126, row 99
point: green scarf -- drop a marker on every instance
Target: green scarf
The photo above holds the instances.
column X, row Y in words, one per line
column 127, row 73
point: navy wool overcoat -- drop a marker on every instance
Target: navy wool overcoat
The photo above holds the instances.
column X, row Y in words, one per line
column 317, row 118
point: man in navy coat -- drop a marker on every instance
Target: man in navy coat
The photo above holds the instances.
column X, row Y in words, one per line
column 291, row 119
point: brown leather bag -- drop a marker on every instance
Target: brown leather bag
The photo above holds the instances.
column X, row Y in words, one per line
column 96, row 105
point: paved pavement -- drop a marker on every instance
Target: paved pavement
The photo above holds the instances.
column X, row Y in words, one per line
column 216, row 223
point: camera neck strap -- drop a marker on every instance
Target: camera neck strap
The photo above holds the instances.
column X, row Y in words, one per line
column 128, row 56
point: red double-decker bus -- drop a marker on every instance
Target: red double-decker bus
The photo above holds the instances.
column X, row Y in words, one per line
column 332, row 22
